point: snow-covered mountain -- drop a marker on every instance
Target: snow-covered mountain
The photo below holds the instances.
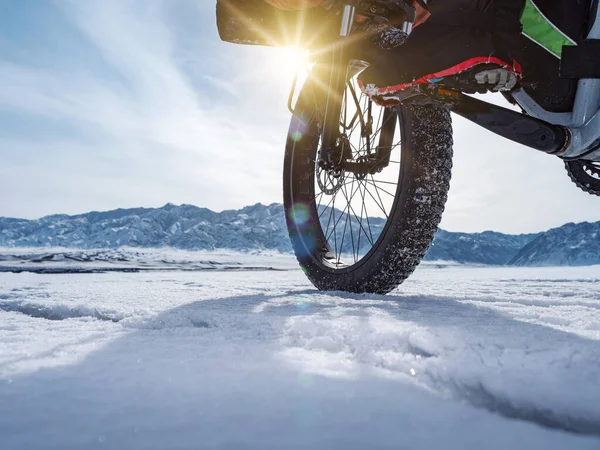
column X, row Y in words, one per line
column 184, row 227
column 488, row 247
column 261, row 227
column 570, row 245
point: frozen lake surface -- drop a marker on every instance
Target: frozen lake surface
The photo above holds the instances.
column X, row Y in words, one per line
column 458, row 357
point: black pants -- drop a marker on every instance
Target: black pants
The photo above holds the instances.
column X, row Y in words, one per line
column 459, row 35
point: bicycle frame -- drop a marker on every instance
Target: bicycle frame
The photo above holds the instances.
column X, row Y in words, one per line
column 573, row 135
column 583, row 122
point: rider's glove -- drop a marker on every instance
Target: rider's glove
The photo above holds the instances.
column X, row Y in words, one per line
column 503, row 79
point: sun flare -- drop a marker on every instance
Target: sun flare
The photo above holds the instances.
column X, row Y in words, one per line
column 289, row 61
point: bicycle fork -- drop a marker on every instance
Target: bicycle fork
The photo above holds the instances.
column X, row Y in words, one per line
column 335, row 151
column 331, row 148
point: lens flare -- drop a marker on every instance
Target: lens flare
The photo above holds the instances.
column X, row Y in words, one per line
column 299, row 214
column 303, row 306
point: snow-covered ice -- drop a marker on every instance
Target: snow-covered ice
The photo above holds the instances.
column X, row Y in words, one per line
column 457, row 358
column 63, row 260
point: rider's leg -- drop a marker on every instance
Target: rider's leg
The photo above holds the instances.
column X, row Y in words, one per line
column 458, row 57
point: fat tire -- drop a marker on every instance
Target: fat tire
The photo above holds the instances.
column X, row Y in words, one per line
column 417, row 211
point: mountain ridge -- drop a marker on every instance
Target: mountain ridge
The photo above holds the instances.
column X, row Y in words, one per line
column 263, row 227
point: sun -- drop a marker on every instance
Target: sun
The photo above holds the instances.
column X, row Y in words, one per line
column 289, row 61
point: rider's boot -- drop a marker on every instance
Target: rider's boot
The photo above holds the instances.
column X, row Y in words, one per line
column 480, row 78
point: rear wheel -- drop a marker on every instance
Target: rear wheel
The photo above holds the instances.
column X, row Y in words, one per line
column 365, row 228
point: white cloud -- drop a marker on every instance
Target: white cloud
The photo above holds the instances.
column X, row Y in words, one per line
column 209, row 154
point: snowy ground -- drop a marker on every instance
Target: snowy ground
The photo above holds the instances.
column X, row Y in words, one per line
column 457, row 358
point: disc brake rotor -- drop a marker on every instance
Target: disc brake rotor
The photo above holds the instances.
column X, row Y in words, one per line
column 330, row 181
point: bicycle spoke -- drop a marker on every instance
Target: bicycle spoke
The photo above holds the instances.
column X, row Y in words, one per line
column 354, row 251
column 330, row 201
column 325, row 208
column 383, row 182
column 349, row 201
column 378, row 131
column 335, row 225
column 364, row 205
column 377, row 188
column 344, row 232
column 382, row 207
column 320, row 196
column 377, row 191
column 361, row 216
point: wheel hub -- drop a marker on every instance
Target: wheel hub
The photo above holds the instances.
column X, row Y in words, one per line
column 363, row 163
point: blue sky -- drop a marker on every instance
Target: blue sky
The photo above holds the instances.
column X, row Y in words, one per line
column 121, row 103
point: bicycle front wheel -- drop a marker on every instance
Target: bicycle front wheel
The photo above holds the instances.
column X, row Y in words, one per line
column 366, row 227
